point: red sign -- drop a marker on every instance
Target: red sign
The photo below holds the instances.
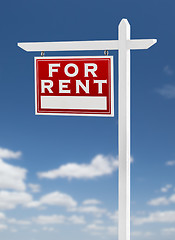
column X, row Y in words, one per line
column 74, row 86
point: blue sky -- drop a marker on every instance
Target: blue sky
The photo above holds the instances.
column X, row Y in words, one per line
column 85, row 207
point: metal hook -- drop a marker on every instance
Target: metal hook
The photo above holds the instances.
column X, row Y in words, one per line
column 42, row 54
column 106, row 52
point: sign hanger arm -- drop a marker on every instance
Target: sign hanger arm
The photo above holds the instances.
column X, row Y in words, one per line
column 69, row 46
column 141, row 43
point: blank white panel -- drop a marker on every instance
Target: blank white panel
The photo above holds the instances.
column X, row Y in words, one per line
column 73, row 102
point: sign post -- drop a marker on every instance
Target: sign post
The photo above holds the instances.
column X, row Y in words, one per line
column 124, row 45
column 124, row 132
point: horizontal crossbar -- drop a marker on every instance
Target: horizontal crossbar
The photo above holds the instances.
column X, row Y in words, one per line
column 85, row 45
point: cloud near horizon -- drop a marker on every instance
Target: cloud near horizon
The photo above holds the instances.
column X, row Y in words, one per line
column 91, row 202
column 9, row 154
column 54, row 199
column 99, row 166
column 155, row 217
column 10, row 200
column 94, row 210
column 58, row 219
column 12, row 177
column 162, row 201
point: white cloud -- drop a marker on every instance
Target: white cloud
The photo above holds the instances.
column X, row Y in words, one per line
column 76, row 219
column 95, row 227
column 53, row 219
column 155, row 217
column 34, row 187
column 136, row 234
column 9, row 200
column 91, row 202
column 49, row 229
column 94, row 233
column 162, row 201
column 58, row 199
column 2, row 215
column 166, row 188
column 170, row 163
column 53, row 199
column 90, row 210
column 98, row 229
column 98, row 221
column 167, row 91
column 59, row 219
column 99, row 166
column 112, row 230
column 12, row 177
column 3, row 227
column 141, row 234
column 168, row 70
column 6, row 153
column 19, row 222
column 172, row 198
column 14, row 230
column 33, row 204
column 114, row 216
column 168, row 231
column 159, row 201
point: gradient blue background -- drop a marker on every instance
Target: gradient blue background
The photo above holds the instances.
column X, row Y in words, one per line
column 48, row 142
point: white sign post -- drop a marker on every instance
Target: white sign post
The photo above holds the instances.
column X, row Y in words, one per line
column 124, row 45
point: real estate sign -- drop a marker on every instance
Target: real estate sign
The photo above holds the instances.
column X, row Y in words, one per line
column 74, row 86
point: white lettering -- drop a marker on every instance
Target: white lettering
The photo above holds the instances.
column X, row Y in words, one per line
column 51, row 69
column 71, row 74
column 100, row 82
column 91, row 70
column 80, row 84
column 62, row 86
column 44, row 86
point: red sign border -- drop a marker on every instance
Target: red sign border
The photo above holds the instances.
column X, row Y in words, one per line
column 111, row 97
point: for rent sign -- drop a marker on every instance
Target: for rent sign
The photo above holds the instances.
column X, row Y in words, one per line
column 74, row 86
